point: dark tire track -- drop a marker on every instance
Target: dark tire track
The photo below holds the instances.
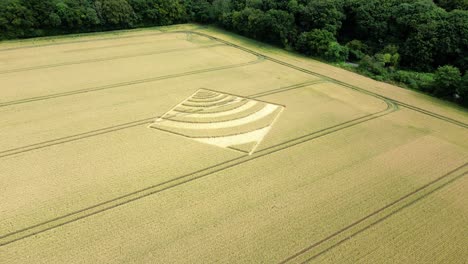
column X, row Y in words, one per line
column 105, row 130
column 109, row 46
column 399, row 204
column 122, row 200
column 160, row 32
column 142, row 54
column 324, row 77
column 434, row 115
column 122, row 84
column 139, row 194
column 414, row 108
column 67, row 139
column 30, row 230
column 84, row 41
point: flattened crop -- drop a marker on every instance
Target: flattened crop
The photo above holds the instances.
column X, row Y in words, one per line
column 239, row 121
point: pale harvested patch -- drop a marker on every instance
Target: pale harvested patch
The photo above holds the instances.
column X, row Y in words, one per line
column 217, row 132
column 252, row 136
column 175, row 199
column 237, row 110
column 266, row 111
column 246, row 123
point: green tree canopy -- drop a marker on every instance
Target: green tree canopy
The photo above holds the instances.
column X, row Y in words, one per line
column 320, row 14
column 115, row 13
column 315, row 42
column 450, row 5
column 446, row 81
column 16, row 20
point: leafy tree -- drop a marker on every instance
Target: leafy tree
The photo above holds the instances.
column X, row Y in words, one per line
column 167, row 12
column 411, row 15
column 357, row 50
column 415, row 80
column 450, row 5
column 418, row 50
column 281, row 28
column 315, row 42
column 76, row 15
column 462, row 90
column 250, row 22
column 336, row 52
column 115, row 13
column 293, row 7
column 422, row 34
column 370, row 20
column 416, row 26
column 16, row 20
column 322, row 43
column 373, row 65
column 221, row 7
column 199, row 10
column 43, row 11
column 452, row 40
column 320, row 14
column 391, row 57
column 446, row 81
column 257, row 4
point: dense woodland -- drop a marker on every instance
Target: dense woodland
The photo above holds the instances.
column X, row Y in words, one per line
column 420, row 43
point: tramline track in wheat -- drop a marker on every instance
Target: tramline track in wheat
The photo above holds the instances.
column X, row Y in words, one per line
column 228, row 118
column 107, row 205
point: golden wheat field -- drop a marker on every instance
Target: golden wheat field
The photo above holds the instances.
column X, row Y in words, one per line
column 187, row 144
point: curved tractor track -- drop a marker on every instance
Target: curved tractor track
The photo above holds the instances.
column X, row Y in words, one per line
column 207, row 97
column 414, row 108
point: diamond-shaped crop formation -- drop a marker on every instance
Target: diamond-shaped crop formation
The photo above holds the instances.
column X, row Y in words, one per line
column 221, row 119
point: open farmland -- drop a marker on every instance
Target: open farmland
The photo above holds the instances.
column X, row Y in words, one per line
column 186, row 144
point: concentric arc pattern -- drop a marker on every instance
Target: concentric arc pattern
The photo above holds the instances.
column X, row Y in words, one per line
column 220, row 119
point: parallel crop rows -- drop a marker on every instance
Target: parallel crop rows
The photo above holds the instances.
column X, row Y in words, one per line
column 210, row 108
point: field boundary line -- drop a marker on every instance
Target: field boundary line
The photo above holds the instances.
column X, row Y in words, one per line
column 269, row 128
column 192, row 138
column 394, row 207
column 248, row 97
column 108, row 46
column 83, row 41
column 393, row 106
column 142, row 54
column 197, row 137
column 330, row 79
column 128, row 83
column 434, row 115
column 272, row 149
column 236, row 149
column 139, row 194
column 285, row 89
column 414, row 108
column 180, row 103
column 335, row 128
column 62, row 140
column 91, row 34
column 104, row 130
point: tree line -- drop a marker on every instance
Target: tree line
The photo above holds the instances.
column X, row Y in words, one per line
column 421, row 43
column 32, row 18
